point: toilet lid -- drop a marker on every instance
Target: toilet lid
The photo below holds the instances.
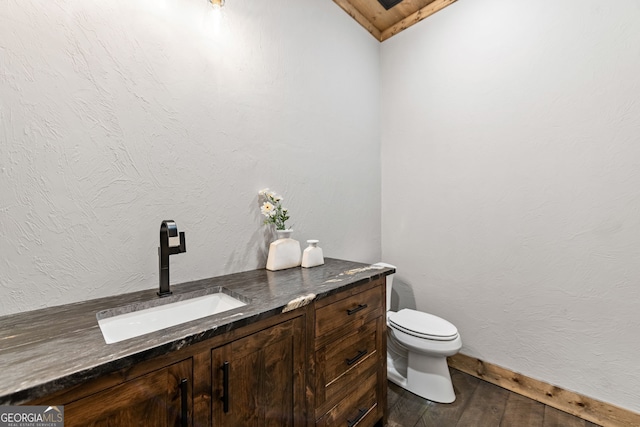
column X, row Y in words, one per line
column 423, row 325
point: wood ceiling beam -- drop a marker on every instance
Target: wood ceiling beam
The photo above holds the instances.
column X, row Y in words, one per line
column 382, row 34
column 414, row 18
column 360, row 18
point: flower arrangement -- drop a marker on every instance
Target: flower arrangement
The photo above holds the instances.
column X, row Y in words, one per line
column 272, row 208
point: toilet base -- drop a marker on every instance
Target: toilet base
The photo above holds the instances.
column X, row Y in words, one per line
column 425, row 376
column 429, row 377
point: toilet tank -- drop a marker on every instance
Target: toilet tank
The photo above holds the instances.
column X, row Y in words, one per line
column 389, row 282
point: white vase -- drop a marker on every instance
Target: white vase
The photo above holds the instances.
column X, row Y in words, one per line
column 284, row 252
column 312, row 255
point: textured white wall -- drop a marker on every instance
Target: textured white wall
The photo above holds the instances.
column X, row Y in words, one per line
column 117, row 115
column 511, row 184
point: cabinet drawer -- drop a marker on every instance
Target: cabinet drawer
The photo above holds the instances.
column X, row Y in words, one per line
column 357, row 409
column 358, row 347
column 343, row 364
column 365, row 305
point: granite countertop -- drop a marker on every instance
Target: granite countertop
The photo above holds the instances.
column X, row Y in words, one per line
column 46, row 350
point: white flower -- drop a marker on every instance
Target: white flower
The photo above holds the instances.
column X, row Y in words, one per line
column 272, row 208
column 268, row 209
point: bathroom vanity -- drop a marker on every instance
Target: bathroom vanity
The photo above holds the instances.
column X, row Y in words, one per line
column 274, row 361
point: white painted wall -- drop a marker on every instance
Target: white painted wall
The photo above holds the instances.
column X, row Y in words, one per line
column 511, row 184
column 117, row 115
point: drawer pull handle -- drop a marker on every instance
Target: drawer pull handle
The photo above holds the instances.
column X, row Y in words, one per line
column 225, row 387
column 353, row 422
column 355, row 358
column 357, row 309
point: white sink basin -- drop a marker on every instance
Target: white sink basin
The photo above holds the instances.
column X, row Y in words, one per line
column 133, row 323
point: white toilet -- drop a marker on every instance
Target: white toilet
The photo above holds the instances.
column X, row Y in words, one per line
column 417, row 348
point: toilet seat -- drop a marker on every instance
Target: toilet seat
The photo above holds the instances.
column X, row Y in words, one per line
column 423, row 325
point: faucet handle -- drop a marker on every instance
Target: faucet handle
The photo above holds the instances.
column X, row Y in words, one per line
column 183, row 244
column 177, row 245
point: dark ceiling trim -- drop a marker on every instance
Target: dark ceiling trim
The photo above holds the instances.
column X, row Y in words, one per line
column 388, row 4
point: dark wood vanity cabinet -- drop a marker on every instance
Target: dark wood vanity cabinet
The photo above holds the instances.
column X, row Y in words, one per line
column 320, row 365
column 251, row 376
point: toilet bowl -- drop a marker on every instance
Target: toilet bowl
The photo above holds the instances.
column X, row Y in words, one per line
column 418, row 345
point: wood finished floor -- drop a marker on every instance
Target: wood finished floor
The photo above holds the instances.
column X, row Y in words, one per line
column 478, row 404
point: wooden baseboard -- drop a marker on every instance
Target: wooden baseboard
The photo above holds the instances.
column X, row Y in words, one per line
column 576, row 404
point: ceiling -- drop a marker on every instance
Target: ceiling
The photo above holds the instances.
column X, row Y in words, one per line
column 382, row 23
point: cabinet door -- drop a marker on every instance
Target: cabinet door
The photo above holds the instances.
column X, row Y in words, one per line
column 259, row 380
column 159, row 398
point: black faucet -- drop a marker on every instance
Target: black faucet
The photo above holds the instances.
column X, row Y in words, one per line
column 170, row 243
